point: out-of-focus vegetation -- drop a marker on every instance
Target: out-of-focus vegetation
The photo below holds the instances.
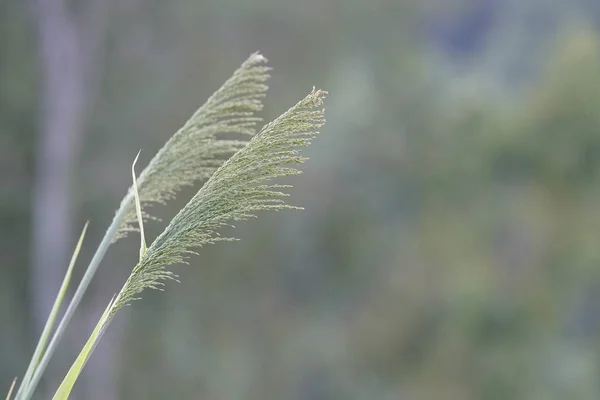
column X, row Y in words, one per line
column 449, row 246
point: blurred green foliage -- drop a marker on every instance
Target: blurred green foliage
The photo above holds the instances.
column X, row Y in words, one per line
column 449, row 247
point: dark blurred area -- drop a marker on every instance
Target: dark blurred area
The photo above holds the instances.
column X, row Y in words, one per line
column 450, row 246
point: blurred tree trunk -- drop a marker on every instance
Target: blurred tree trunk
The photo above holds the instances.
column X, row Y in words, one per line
column 71, row 48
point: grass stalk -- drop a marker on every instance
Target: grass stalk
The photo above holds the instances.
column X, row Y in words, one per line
column 30, row 387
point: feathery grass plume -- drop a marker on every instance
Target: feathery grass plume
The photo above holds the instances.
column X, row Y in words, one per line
column 233, row 193
column 196, row 150
column 191, row 155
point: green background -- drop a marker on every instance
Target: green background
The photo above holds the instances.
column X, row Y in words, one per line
column 450, row 244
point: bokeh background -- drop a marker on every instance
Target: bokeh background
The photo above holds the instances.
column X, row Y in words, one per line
column 450, row 243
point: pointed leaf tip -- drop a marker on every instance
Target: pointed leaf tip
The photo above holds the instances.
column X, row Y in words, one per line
column 10, row 390
column 138, row 208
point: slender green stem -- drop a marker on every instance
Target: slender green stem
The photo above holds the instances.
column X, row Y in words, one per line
column 41, row 345
column 83, row 285
column 65, row 388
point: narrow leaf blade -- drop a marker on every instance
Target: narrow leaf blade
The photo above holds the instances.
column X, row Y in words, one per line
column 12, row 386
column 138, row 208
column 68, row 382
column 45, row 336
